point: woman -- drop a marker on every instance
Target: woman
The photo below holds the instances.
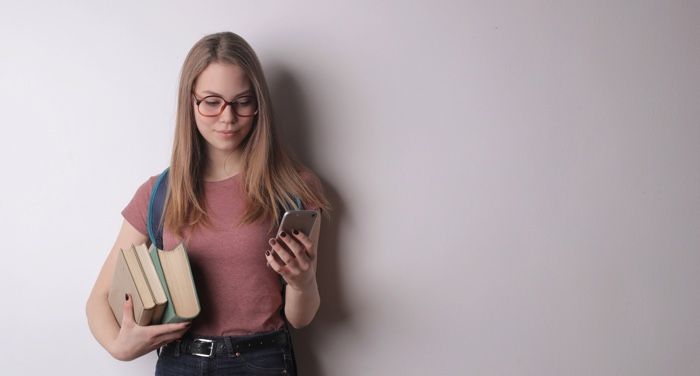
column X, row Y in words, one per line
column 228, row 179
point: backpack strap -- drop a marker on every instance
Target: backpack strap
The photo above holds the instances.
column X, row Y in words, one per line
column 297, row 201
column 156, row 205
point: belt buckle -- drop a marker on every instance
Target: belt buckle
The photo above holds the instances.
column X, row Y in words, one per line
column 211, row 347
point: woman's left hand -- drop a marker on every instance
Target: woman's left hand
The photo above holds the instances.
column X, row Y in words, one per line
column 295, row 259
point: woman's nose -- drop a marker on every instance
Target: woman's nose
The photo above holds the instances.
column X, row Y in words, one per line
column 228, row 115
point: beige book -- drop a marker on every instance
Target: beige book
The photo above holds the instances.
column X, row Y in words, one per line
column 131, row 278
column 156, row 289
column 175, row 272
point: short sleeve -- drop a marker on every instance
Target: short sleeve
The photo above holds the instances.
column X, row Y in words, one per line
column 314, row 184
column 135, row 210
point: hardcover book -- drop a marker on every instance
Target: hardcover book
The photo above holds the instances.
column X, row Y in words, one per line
column 173, row 268
column 160, row 283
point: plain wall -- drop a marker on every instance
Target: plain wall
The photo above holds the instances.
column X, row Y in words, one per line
column 516, row 183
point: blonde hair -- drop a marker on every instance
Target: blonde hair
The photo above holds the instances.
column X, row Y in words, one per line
column 271, row 176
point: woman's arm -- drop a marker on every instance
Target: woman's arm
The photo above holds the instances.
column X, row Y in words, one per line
column 130, row 341
column 301, row 305
column 297, row 264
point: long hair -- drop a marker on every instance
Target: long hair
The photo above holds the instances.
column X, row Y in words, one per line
column 271, row 176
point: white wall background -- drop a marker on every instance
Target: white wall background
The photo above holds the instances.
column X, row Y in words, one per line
column 516, row 183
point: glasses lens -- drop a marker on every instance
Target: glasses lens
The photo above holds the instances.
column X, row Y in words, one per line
column 210, row 106
column 245, row 106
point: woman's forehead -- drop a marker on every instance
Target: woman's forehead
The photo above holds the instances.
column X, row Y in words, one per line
column 223, row 79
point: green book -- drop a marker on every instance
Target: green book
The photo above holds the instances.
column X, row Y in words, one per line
column 173, row 269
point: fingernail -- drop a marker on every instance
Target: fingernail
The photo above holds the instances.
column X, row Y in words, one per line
column 267, row 253
column 126, row 297
column 283, row 234
column 273, row 241
column 295, row 232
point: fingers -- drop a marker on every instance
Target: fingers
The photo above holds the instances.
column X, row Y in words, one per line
column 163, row 341
column 166, row 329
column 166, row 333
column 291, row 251
column 274, row 264
column 278, row 249
column 291, row 256
column 306, row 242
column 128, row 311
column 171, row 336
column 288, row 257
column 141, row 339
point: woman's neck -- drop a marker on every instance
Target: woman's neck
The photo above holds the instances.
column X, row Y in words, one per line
column 222, row 165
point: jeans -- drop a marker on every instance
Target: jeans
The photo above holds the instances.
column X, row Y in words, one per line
column 275, row 360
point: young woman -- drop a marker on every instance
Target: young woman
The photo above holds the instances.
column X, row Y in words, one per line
column 228, row 179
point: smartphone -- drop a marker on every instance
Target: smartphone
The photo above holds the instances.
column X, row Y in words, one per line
column 300, row 220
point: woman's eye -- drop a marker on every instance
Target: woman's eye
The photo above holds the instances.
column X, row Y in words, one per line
column 212, row 103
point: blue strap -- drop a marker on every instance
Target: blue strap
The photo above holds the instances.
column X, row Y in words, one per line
column 156, row 205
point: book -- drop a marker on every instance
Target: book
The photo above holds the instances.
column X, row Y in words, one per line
column 173, row 268
column 156, row 288
column 135, row 275
column 160, row 283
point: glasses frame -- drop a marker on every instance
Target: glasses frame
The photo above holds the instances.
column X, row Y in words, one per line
column 225, row 104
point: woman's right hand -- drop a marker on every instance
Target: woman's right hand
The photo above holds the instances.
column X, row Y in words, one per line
column 135, row 340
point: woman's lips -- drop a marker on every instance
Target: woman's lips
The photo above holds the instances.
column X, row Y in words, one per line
column 226, row 133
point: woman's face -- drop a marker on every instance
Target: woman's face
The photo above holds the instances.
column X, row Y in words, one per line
column 225, row 132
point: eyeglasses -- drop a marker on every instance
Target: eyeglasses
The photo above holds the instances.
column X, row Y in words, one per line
column 214, row 105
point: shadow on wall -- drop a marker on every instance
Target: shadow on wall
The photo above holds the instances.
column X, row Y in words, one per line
column 294, row 125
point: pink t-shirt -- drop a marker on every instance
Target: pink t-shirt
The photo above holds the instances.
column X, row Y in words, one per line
column 237, row 292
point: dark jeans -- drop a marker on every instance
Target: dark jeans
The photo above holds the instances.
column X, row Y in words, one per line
column 276, row 360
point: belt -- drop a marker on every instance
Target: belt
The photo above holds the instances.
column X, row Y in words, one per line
column 208, row 347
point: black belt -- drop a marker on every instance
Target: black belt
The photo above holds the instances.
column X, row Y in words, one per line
column 226, row 346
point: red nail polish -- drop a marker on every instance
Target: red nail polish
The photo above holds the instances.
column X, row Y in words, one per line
column 273, row 241
column 126, row 297
column 283, row 234
column 267, row 253
column 295, row 232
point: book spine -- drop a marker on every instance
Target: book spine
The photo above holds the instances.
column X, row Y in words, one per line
column 191, row 278
column 158, row 313
column 169, row 309
column 142, row 268
column 146, row 317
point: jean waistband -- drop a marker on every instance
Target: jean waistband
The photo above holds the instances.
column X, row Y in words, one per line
column 209, row 346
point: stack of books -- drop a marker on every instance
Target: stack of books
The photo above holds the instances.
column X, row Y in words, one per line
column 160, row 284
